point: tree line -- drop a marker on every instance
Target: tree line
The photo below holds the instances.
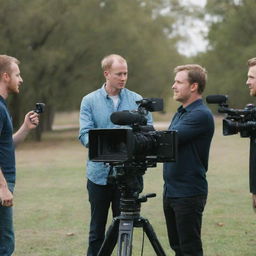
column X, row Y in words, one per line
column 232, row 37
column 60, row 44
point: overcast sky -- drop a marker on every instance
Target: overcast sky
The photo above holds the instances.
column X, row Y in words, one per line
column 198, row 2
column 195, row 43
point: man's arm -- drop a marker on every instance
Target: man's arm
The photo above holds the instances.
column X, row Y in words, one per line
column 31, row 121
column 86, row 121
column 149, row 119
column 193, row 125
column 6, row 197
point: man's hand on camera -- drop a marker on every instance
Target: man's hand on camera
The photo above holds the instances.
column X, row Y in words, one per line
column 6, row 197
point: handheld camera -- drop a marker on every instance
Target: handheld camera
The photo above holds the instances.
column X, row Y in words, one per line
column 241, row 121
column 39, row 108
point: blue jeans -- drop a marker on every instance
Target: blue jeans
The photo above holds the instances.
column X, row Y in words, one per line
column 184, row 220
column 101, row 197
column 7, row 239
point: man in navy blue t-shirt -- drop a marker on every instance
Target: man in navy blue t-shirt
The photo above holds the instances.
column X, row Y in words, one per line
column 10, row 81
column 185, row 184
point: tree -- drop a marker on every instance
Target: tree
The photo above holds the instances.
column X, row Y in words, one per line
column 61, row 43
column 231, row 43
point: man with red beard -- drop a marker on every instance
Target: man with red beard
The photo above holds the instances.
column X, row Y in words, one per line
column 10, row 81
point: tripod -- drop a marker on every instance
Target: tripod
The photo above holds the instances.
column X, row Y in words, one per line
column 129, row 218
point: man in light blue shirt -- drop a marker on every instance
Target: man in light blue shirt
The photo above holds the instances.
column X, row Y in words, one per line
column 95, row 111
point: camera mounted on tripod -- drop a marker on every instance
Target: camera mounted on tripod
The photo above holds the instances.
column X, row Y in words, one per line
column 137, row 143
column 237, row 120
column 131, row 150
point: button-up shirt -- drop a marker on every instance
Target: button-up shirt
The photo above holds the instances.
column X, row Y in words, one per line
column 187, row 176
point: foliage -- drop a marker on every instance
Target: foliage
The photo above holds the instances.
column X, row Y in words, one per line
column 231, row 43
column 61, row 43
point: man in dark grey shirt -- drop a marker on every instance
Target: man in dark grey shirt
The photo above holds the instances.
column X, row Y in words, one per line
column 251, row 83
column 185, row 184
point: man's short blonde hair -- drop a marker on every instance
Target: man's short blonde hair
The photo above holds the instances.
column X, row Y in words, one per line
column 196, row 74
column 252, row 62
column 5, row 63
column 108, row 61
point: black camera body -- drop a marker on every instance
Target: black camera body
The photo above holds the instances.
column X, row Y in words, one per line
column 127, row 145
column 39, row 108
column 241, row 121
column 140, row 143
column 130, row 151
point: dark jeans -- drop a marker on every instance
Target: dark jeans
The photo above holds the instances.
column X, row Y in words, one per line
column 7, row 241
column 184, row 220
column 101, row 197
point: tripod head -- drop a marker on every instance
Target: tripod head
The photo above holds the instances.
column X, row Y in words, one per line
column 129, row 179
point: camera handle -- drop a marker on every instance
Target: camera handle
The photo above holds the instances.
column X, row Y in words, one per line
column 129, row 218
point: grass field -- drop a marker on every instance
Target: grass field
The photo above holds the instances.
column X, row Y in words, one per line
column 52, row 211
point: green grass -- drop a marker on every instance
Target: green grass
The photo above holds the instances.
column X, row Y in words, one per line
column 52, row 210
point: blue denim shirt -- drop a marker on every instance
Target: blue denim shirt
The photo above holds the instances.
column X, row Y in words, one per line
column 95, row 111
column 187, row 176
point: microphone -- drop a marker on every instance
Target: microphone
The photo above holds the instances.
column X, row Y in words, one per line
column 127, row 117
column 216, row 99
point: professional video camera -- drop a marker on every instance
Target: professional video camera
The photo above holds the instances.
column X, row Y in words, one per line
column 237, row 120
column 138, row 143
column 130, row 151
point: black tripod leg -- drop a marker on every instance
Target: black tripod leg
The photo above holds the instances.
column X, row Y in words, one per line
column 110, row 239
column 147, row 227
column 125, row 237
